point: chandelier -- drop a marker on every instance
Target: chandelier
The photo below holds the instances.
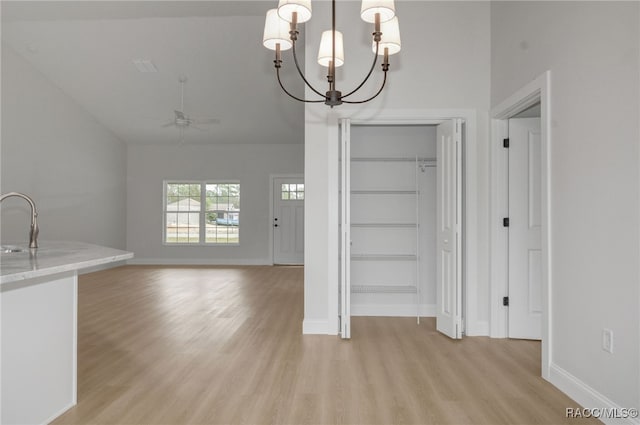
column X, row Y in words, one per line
column 281, row 33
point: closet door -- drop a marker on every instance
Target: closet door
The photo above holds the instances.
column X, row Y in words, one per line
column 345, row 230
column 449, row 232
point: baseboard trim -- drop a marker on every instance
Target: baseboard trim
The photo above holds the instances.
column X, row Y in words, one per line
column 587, row 397
column 392, row 310
column 59, row 413
column 197, row 262
column 315, row 327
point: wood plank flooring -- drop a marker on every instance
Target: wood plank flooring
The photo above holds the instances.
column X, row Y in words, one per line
column 223, row 345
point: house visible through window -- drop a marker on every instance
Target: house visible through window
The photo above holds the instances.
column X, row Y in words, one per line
column 223, row 212
column 202, row 213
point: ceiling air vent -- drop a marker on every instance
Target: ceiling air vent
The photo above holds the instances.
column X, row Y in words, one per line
column 145, row 65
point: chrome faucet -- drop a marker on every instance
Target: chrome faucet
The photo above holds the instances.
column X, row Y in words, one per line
column 33, row 231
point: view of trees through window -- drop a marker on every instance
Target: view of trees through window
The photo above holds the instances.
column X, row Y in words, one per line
column 188, row 222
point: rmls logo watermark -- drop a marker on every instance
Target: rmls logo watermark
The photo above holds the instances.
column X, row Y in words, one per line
column 601, row 413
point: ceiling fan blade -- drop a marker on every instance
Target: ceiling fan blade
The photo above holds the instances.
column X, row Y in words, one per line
column 197, row 128
column 206, row 120
column 169, row 124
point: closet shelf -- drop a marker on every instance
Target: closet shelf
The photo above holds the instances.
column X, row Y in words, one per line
column 384, row 289
column 383, row 257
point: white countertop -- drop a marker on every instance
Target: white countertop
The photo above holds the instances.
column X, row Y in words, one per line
column 53, row 257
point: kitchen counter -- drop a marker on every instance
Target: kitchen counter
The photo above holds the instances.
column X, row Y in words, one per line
column 39, row 327
column 55, row 257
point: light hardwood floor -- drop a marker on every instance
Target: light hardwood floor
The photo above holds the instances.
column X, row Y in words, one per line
column 224, row 345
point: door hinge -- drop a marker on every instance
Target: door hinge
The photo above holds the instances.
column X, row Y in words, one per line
column 505, row 301
column 505, row 222
column 505, row 143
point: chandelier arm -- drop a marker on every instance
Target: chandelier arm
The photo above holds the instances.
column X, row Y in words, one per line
column 292, row 96
column 295, row 59
column 373, row 65
column 372, row 97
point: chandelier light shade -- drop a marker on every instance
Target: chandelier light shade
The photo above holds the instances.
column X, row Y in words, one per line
column 281, row 33
column 286, row 9
column 325, row 53
column 276, row 31
column 369, row 9
column 390, row 37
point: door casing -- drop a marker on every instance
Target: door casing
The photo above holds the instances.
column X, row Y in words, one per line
column 538, row 90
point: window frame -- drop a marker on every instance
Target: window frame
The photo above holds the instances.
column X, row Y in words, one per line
column 297, row 192
column 202, row 214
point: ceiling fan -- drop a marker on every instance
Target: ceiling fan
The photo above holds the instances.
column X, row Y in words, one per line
column 183, row 121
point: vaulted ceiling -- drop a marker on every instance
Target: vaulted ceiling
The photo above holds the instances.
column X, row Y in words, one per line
column 87, row 49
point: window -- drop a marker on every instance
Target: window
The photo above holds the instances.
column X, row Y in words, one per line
column 222, row 212
column 201, row 213
column 292, row 191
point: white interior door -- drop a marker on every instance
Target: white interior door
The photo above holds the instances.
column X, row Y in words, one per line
column 288, row 220
column 525, row 267
column 345, row 230
column 449, row 232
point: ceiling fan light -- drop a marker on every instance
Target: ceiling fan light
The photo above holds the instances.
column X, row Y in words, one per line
column 302, row 7
column 276, row 30
column 390, row 37
column 324, row 53
column 385, row 8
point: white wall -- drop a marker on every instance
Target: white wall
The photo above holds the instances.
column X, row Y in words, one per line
column 444, row 64
column 55, row 152
column 592, row 51
column 148, row 166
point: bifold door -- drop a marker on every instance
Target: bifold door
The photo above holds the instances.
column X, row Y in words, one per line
column 345, row 229
column 449, row 222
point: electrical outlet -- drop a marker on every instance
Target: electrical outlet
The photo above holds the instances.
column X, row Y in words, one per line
column 607, row 340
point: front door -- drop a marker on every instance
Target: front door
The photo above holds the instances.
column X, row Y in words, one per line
column 288, row 220
column 525, row 255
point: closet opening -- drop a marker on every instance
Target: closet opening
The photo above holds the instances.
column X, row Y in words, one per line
column 401, row 222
